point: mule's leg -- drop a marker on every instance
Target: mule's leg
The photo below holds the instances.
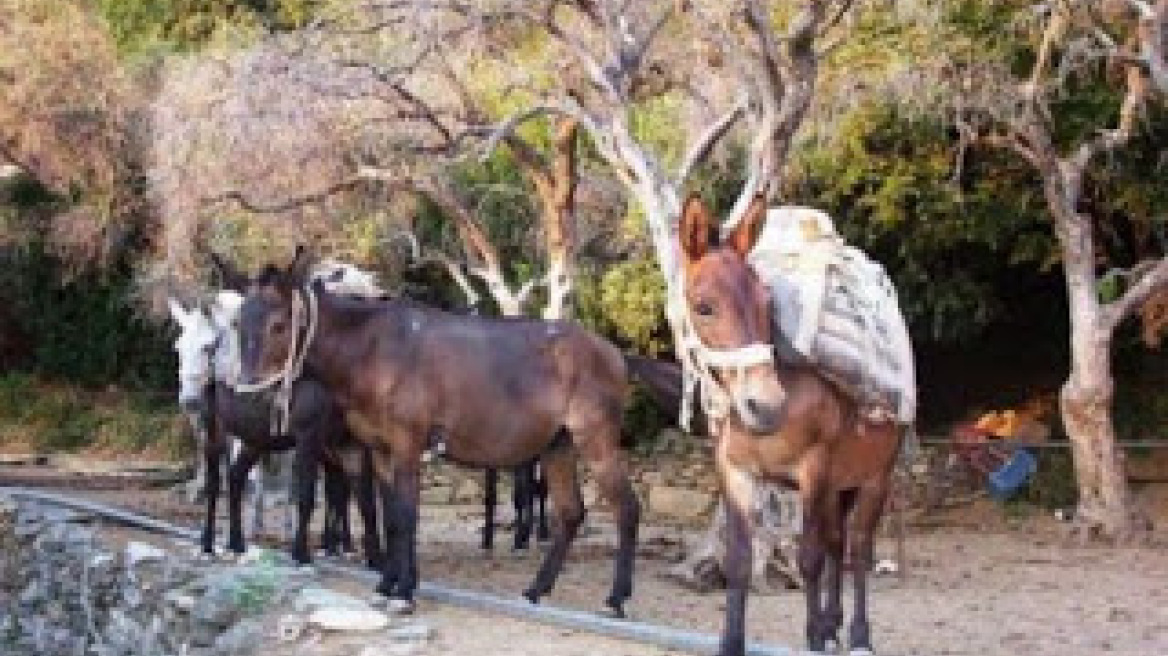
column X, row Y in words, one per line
column 521, row 500
column 868, row 508
column 401, row 499
column 245, row 460
column 367, row 506
column 214, row 453
column 540, row 495
column 560, row 467
column 613, row 478
column 812, row 553
column 738, row 496
column 490, row 499
column 307, row 462
column 836, row 508
column 256, row 478
column 336, row 493
column 383, row 466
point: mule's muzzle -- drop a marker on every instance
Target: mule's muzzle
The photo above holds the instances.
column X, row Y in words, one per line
column 761, row 417
column 760, row 407
column 190, row 406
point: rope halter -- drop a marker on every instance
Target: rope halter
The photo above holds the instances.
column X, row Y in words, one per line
column 304, row 315
column 699, row 361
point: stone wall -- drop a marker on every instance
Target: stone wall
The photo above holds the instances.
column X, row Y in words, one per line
column 67, row 590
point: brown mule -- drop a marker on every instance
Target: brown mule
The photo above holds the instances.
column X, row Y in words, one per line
column 495, row 392
column 788, row 424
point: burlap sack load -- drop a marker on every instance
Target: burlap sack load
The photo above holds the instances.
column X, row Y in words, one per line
column 837, row 309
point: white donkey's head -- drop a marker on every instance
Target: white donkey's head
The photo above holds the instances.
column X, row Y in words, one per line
column 196, row 345
column 207, row 347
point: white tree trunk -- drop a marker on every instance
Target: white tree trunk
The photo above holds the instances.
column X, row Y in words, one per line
column 1086, row 399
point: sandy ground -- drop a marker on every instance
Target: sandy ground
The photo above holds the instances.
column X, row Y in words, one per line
column 977, row 583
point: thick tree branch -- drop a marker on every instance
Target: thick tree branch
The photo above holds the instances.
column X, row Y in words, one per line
column 1154, row 281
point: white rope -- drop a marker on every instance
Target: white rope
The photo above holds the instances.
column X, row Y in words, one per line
column 293, row 365
column 699, row 362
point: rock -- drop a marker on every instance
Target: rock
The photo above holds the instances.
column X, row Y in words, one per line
column 348, row 619
column 468, row 489
column 180, row 600
column 314, row 598
column 241, row 639
column 289, row 628
column 679, row 503
column 412, row 632
column 140, row 552
column 439, row 495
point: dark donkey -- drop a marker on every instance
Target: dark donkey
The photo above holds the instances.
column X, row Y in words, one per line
column 788, row 424
column 315, row 428
column 494, row 392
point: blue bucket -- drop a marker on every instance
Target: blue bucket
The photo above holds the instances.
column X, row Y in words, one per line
column 1012, row 474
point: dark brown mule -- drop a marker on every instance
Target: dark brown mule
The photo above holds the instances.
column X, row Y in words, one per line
column 496, row 392
column 790, row 425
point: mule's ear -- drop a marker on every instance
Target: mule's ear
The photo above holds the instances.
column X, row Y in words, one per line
column 232, row 278
column 297, row 274
column 694, row 230
column 177, row 311
column 744, row 235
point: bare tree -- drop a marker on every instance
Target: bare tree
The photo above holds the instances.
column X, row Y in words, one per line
column 66, row 120
column 996, row 109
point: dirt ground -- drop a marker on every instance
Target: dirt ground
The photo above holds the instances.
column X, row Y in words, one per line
column 979, row 581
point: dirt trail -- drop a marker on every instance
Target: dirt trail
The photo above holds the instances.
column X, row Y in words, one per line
column 975, row 587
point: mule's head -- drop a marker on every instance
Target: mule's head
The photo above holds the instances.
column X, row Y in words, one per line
column 196, row 346
column 267, row 330
column 730, row 308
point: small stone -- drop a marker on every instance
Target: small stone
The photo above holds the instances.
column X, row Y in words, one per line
column 348, row 619
column 180, row 600
column 141, row 552
column 289, row 628
column 243, row 638
column 467, row 490
column 679, row 503
column 437, row 495
column 314, row 598
column 412, row 632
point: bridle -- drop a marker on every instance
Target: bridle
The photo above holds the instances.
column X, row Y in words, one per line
column 305, row 315
column 700, row 361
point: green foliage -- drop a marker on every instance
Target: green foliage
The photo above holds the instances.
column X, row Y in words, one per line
column 83, row 329
column 632, row 303
column 951, row 246
column 1053, row 484
column 153, row 26
column 54, row 417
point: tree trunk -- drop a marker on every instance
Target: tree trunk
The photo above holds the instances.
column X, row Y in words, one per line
column 774, row 544
column 1086, row 398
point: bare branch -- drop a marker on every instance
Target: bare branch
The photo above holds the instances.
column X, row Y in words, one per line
column 276, row 207
column 1155, row 280
column 508, row 126
column 705, row 143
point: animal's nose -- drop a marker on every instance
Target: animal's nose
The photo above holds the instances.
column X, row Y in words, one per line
column 189, row 405
column 762, row 416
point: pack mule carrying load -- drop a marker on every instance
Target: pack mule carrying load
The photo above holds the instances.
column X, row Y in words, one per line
column 837, row 309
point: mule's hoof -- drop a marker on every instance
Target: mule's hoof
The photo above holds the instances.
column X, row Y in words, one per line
column 615, row 612
column 532, row 596
column 399, row 606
